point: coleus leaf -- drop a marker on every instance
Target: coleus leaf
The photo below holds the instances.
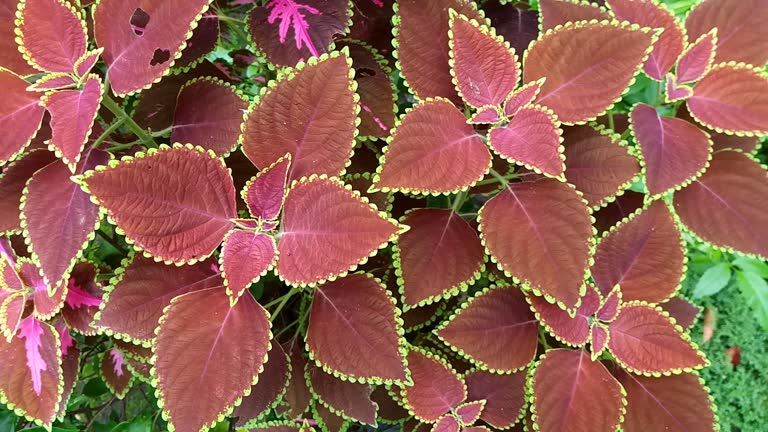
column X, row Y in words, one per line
column 675, row 91
column 327, row 230
column 571, row 330
column 53, row 81
column 372, row 23
column 389, row 410
column 265, row 193
column 58, row 218
column 20, row 114
column 644, row 254
column 485, row 115
column 598, row 163
column 610, row 306
column 297, row 395
column 740, row 33
column 484, row 67
column 675, row 152
column 436, row 388
column 504, row 396
column 12, row 306
column 644, row 340
column 10, row 56
column 115, row 373
column 732, row 98
column 355, row 331
column 271, row 386
column 682, row 310
column 623, row 206
column 517, row 25
column 697, row 59
column 138, row 56
column 13, row 179
column 598, row 340
column 425, row 65
column 469, row 412
column 87, row 61
column 553, row 13
column 52, row 35
column 70, row 365
column 245, row 257
column 555, row 260
column 522, row 97
column 134, row 302
column 594, row 66
column 327, row 420
column 226, row 349
column 720, row 206
column 214, row 124
column 345, row 398
column 442, row 244
column 592, row 400
column 156, row 213
column 83, row 298
column 321, row 134
column 446, row 423
column 47, row 300
column 488, row 324
column 669, row 402
column 203, row 40
column 423, row 150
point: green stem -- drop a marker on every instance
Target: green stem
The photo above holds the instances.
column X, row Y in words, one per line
column 162, row 132
column 610, row 120
column 283, row 301
column 121, row 115
column 458, row 201
column 113, row 127
column 112, row 241
column 499, row 178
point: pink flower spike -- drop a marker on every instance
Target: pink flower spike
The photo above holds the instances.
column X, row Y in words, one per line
column 117, row 361
column 31, row 330
column 289, row 13
column 77, row 298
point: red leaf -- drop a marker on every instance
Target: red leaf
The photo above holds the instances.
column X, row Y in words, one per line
column 352, row 400
column 598, row 336
column 265, row 193
column 83, row 298
column 86, row 62
column 423, row 150
column 555, row 259
column 137, row 56
column 488, row 324
column 12, row 306
column 682, row 310
column 53, row 81
column 225, row 350
column 52, row 35
column 732, row 98
column 421, row 39
column 157, row 213
column 624, row 205
column 587, row 65
column 469, row 412
column 644, row 340
column 115, row 372
column 484, row 67
column 320, row 134
column 518, row 25
column 726, row 206
column 598, row 163
column 571, row 330
column 442, row 244
column 677, row 402
column 558, row 12
column 644, row 255
column 10, row 56
column 245, row 257
column 610, row 306
column 134, row 304
column 485, row 115
column 13, row 179
column 675, row 91
column 532, row 139
column 297, row 395
column 436, row 387
column 203, row 41
column 213, row 124
column 327, row 419
column 446, row 423
column 697, row 59
column 522, row 97
column 271, row 386
column 327, row 231
column 741, row 35
column 389, row 411
column 504, row 396
column 20, row 114
column 70, row 366
column 573, row 393
column 47, row 300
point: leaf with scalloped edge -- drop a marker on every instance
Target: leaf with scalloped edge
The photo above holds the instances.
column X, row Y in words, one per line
column 726, row 206
column 12, row 306
column 488, row 324
column 484, row 67
column 355, row 331
column 644, row 340
column 588, row 66
column 433, row 150
column 682, row 310
column 51, row 34
column 83, row 300
column 677, row 402
column 522, row 97
column 553, row 13
column 644, row 255
column 623, row 206
column 732, row 98
column 532, row 139
column 53, row 81
column 610, row 306
column 320, row 133
column 20, row 114
column 442, row 244
column 208, row 114
column 297, row 395
column 180, row 213
column 550, row 218
column 436, row 389
column 134, row 302
column 58, row 218
column 31, row 380
column 446, row 423
column 13, row 179
column 485, row 115
column 598, row 340
column 87, row 61
column 10, row 56
column 327, row 230
column 571, row 330
column 345, row 398
column 245, row 257
column 225, row 350
column 697, row 58
column 573, row 393
column 504, row 396
column 517, row 25
column 141, row 41
column 115, row 373
column 203, row 40
column 425, row 65
column 47, row 300
column 469, row 412
column 327, row 420
column 741, row 35
column 265, row 193
column 70, row 365
column 389, row 410
column 675, row 91
column 272, row 384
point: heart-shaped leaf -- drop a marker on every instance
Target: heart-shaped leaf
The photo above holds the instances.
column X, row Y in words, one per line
column 504, row 396
column 571, row 330
column 245, row 257
column 436, row 388
column 469, row 412
column 20, row 114
column 13, row 179
column 265, row 193
column 272, row 384
column 52, row 35
column 553, row 13
column 697, row 59
column 740, row 33
column 345, row 398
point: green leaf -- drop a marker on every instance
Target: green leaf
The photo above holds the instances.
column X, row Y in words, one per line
column 755, row 289
column 7, row 420
column 140, row 424
column 752, row 265
column 713, row 280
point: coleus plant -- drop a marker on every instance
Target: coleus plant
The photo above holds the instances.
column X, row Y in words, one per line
column 348, row 281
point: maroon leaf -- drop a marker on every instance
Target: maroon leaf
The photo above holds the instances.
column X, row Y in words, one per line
column 644, row 340
column 522, row 97
column 271, row 386
column 571, row 330
column 469, row 412
column 203, row 41
column 327, row 419
column 12, row 306
column 245, row 257
column 115, row 372
column 555, row 259
column 10, row 56
column 643, row 254
column 52, row 35
column 682, row 310
column 134, row 304
column 624, row 205
column 83, row 298
column 518, row 26
column 594, row 66
column 573, row 393
column 424, row 149
column 139, row 55
column 676, row 92
column 598, row 336
column 86, row 62
column 372, row 23
column 47, row 300
column 439, row 242
column 354, row 331
column 351, row 400
column 12, row 182
column 214, row 124
column 447, row 423
column 610, row 306
column 20, row 114
column 225, row 349
column 265, row 193
column 297, row 395
column 558, row 12
column 389, row 411
column 327, row 231
column 436, row 387
column 488, row 324
column 156, row 212
column 720, row 206
column 53, row 81
column 698, row 57
column 70, row 366
column 504, row 396
column 677, row 402
column 320, row 135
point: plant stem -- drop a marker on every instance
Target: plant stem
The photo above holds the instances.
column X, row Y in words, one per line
column 113, row 242
column 283, row 301
column 500, row 178
column 458, row 201
column 107, row 132
column 119, row 112
column 610, row 120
